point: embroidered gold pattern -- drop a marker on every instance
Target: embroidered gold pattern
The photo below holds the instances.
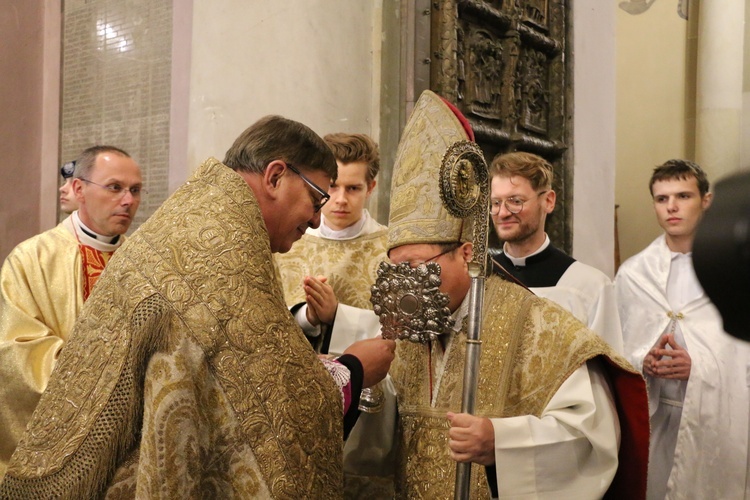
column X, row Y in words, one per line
column 339, row 260
column 417, row 215
column 529, row 347
column 204, row 338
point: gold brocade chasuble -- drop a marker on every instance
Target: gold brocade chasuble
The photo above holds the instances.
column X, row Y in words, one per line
column 350, row 265
column 529, row 348
column 185, row 375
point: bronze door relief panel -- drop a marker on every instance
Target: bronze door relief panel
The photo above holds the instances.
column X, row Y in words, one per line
column 503, row 62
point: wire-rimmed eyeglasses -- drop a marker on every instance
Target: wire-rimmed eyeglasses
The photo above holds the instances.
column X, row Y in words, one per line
column 118, row 190
column 434, row 258
column 324, row 196
column 514, row 204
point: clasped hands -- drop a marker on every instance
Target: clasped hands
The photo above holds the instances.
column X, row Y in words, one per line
column 674, row 363
column 320, row 299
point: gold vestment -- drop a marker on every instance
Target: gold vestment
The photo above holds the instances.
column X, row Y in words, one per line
column 529, row 348
column 351, row 266
column 185, row 375
column 41, row 296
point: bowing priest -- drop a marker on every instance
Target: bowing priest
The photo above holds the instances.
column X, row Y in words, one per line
column 183, row 376
column 559, row 414
column 45, row 280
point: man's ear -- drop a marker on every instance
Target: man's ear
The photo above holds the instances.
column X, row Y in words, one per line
column 370, row 187
column 77, row 187
column 549, row 201
column 272, row 177
column 466, row 250
column 708, row 198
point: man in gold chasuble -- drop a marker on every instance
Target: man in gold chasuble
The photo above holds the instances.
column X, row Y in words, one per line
column 559, row 414
column 186, row 376
column 46, row 279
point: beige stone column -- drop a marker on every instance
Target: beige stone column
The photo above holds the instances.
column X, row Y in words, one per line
column 719, row 85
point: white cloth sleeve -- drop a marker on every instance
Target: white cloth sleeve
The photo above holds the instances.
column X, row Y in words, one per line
column 300, row 315
column 604, row 318
column 352, row 324
column 570, row 452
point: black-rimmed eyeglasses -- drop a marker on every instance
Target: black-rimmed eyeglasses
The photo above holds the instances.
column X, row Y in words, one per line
column 514, row 204
column 324, row 196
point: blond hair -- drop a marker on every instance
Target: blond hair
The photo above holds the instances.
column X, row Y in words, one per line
column 536, row 169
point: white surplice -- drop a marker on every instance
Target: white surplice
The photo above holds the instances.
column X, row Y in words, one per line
column 590, row 296
column 583, row 290
column 705, row 419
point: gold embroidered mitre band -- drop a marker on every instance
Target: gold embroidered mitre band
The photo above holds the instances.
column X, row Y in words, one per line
column 417, row 212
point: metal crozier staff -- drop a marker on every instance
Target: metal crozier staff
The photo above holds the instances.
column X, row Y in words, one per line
column 464, row 189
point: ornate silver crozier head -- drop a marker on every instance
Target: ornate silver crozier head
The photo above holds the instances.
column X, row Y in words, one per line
column 409, row 302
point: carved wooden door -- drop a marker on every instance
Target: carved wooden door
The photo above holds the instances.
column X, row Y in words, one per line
column 503, row 62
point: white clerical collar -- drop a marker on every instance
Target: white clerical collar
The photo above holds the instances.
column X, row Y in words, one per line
column 347, row 233
column 521, row 261
column 90, row 238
